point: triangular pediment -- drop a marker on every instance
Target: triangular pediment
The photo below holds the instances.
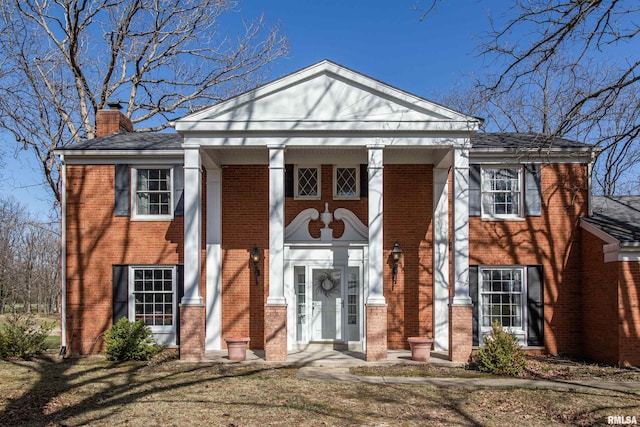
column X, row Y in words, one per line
column 325, row 96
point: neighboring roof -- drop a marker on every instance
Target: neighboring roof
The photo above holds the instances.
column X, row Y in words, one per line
column 512, row 140
column 618, row 216
column 173, row 141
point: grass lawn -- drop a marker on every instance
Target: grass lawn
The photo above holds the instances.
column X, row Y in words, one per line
column 168, row 392
column 53, row 340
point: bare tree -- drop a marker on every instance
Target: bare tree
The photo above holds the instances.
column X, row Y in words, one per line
column 63, row 60
column 29, row 260
column 577, row 57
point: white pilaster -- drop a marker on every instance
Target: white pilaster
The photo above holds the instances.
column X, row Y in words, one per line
column 192, row 226
column 441, row 258
column 276, row 226
column 375, row 196
column 213, row 339
column 461, row 226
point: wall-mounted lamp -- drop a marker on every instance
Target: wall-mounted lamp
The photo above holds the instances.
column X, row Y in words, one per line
column 396, row 253
column 255, row 257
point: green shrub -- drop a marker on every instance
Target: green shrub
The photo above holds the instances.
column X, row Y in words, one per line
column 22, row 336
column 130, row 341
column 501, row 354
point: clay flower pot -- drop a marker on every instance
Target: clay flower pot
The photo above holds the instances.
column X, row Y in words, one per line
column 420, row 348
column 237, row 347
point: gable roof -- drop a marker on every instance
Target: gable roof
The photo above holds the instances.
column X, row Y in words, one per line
column 326, row 97
column 617, row 216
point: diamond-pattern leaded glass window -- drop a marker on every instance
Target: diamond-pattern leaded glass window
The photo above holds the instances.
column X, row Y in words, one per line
column 345, row 182
column 308, row 182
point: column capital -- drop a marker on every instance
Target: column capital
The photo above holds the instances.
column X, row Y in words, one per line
column 192, row 158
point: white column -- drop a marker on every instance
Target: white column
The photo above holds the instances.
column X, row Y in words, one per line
column 192, row 226
column 461, row 226
column 276, row 226
column 375, row 196
column 213, row 339
column 441, row 258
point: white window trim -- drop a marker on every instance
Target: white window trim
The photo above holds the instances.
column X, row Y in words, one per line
column 156, row 329
column 318, row 169
column 490, row 215
column 134, row 192
column 520, row 333
column 335, row 182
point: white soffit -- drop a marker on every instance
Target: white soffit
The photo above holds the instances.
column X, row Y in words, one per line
column 326, row 97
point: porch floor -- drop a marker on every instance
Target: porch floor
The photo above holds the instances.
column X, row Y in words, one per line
column 331, row 358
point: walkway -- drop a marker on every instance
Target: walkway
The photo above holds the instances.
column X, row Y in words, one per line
column 331, row 358
column 343, row 375
column 333, row 366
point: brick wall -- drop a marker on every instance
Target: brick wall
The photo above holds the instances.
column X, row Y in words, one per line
column 408, row 212
column 95, row 241
column 629, row 313
column 552, row 240
column 245, row 222
column 599, row 302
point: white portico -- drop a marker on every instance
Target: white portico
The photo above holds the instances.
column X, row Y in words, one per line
column 326, row 115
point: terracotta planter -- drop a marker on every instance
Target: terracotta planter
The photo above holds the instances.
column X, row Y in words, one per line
column 420, row 348
column 237, row 347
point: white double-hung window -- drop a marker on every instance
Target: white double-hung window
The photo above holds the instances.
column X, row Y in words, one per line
column 502, row 298
column 153, row 194
column 153, row 299
column 502, row 195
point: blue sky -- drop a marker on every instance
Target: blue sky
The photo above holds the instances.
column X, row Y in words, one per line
column 380, row 38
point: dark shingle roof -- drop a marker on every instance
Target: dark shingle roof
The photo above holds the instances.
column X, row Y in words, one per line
column 618, row 216
column 523, row 140
column 173, row 141
column 131, row 141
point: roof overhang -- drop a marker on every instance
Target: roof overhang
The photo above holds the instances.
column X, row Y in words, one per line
column 613, row 249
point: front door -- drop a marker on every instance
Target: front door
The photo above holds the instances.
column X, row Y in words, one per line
column 327, row 304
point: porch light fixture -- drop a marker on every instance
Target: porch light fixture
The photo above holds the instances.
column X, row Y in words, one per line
column 255, row 257
column 396, row 253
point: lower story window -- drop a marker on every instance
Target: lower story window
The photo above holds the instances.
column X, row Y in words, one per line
column 502, row 295
column 153, row 294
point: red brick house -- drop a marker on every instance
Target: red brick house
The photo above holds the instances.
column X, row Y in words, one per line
column 319, row 175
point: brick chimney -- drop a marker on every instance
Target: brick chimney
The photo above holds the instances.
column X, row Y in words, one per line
column 111, row 120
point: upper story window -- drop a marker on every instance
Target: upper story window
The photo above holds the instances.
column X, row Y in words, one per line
column 346, row 182
column 152, row 198
column 502, row 192
column 307, row 182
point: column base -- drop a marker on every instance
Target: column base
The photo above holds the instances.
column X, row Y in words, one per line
column 275, row 332
column 192, row 332
column 376, row 333
column 460, row 332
